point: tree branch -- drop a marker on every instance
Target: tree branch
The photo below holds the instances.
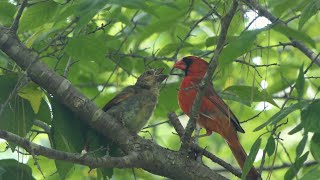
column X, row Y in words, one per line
column 155, row 159
column 253, row 4
column 131, row 160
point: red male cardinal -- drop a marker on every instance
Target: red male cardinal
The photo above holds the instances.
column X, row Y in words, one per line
column 215, row 115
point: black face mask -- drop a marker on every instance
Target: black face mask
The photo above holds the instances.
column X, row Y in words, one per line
column 188, row 62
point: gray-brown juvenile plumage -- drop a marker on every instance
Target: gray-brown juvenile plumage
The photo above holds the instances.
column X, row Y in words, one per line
column 134, row 105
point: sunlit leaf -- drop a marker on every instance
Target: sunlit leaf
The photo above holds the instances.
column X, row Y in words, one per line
column 33, row 94
column 251, row 157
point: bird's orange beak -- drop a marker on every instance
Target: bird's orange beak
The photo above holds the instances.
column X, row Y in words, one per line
column 180, row 65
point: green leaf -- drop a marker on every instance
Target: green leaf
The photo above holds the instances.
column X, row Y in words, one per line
column 106, row 172
column 147, row 6
column 44, row 113
column 301, row 145
column 292, row 33
column 37, row 15
column 69, row 129
column 251, row 157
column 33, row 94
column 12, row 169
column 238, row 47
column 315, row 146
column 312, row 174
column 7, row 11
column 64, row 168
column 270, row 146
column 170, row 48
column 279, row 7
column 309, row 10
column 234, row 97
column 86, row 10
column 67, row 135
column 87, row 48
column 298, row 128
column 294, row 169
column 310, row 117
column 210, row 41
column 8, row 83
column 94, row 142
column 47, row 166
column 249, row 94
column 167, row 100
column 282, row 114
column 17, row 117
column 300, row 83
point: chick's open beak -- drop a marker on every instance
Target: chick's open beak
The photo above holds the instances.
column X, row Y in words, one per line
column 160, row 77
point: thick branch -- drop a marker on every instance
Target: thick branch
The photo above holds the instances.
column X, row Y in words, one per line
column 132, row 160
column 156, row 159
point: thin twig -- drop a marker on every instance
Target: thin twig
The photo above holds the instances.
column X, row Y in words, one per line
column 182, row 41
column 255, row 65
column 15, row 24
column 154, row 125
column 277, row 167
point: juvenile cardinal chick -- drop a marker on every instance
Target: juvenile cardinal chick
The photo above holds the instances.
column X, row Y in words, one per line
column 134, row 105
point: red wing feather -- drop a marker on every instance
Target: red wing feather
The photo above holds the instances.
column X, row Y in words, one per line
column 222, row 106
